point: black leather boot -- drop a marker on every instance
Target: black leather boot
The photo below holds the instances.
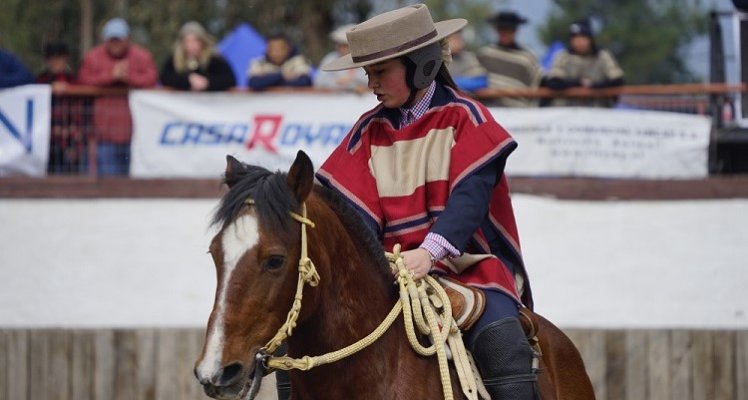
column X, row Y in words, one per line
column 504, row 358
column 283, row 384
column 282, row 378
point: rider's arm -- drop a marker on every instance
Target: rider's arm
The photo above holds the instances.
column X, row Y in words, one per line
column 466, row 209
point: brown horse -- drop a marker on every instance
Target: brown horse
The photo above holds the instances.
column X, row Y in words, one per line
column 256, row 254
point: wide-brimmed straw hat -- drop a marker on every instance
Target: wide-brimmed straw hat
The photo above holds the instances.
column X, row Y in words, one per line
column 391, row 35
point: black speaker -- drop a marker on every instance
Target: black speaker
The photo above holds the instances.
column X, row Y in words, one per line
column 741, row 5
column 744, row 64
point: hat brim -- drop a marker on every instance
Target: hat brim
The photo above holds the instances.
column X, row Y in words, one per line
column 443, row 29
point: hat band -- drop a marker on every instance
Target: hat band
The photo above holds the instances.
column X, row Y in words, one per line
column 395, row 50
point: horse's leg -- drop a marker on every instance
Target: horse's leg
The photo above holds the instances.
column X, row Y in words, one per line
column 563, row 375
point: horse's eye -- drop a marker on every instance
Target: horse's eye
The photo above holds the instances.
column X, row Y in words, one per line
column 273, row 262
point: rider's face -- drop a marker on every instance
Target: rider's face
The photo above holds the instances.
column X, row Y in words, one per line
column 387, row 81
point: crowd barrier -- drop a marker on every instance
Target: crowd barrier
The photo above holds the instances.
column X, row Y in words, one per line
column 75, row 136
column 716, row 100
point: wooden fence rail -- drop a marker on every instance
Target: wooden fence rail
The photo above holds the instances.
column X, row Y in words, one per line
column 145, row 364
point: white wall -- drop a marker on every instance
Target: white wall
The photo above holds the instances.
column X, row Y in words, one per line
column 127, row 263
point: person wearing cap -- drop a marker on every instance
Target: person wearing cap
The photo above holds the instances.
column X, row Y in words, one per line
column 425, row 169
column 351, row 80
column 281, row 66
column 195, row 64
column 116, row 63
column 509, row 65
column 67, row 147
column 583, row 64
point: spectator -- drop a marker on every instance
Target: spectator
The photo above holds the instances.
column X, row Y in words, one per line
column 509, row 65
column 195, row 64
column 465, row 68
column 57, row 71
column 12, row 71
column 280, row 66
column 117, row 63
column 67, row 150
column 353, row 80
column 583, row 64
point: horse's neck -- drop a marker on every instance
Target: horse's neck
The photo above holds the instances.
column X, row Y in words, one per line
column 354, row 294
column 353, row 298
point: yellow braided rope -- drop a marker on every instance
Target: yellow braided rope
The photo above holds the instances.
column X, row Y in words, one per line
column 414, row 304
column 307, row 274
column 306, row 363
column 408, row 296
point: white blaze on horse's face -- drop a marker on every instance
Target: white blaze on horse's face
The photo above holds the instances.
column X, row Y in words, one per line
column 238, row 238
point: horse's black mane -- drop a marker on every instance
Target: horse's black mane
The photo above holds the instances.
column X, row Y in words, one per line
column 273, row 201
column 272, row 197
column 361, row 233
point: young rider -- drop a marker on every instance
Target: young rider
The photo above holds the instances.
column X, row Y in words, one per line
column 425, row 169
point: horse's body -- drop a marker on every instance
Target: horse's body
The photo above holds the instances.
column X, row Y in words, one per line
column 347, row 306
column 256, row 254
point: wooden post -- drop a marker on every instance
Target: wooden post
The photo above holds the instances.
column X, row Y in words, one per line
column 82, row 365
column 637, row 365
column 660, row 368
column 682, row 361
column 87, row 26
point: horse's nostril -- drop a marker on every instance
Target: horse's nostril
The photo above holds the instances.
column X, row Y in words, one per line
column 229, row 374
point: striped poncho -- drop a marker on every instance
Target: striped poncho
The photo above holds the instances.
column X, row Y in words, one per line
column 401, row 180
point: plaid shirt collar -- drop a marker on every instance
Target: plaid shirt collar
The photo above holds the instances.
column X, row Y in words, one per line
column 417, row 110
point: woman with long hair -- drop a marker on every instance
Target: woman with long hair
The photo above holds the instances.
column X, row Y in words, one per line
column 195, row 64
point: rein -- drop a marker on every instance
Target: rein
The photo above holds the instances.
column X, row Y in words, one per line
column 417, row 313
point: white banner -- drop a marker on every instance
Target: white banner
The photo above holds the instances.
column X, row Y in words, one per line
column 607, row 143
column 24, row 130
column 189, row 135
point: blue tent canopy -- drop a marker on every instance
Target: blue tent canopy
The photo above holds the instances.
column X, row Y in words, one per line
column 239, row 47
column 547, row 61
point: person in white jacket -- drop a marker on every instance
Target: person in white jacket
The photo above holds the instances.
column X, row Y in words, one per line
column 352, row 80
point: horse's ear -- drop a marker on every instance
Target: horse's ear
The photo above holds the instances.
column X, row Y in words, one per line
column 233, row 172
column 301, row 176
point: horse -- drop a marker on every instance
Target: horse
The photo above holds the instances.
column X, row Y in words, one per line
column 256, row 253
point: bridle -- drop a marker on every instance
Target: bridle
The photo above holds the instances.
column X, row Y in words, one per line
column 307, row 275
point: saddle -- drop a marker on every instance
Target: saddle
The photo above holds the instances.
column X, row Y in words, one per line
column 467, row 302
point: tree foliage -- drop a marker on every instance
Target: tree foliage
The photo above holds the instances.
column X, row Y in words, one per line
column 648, row 37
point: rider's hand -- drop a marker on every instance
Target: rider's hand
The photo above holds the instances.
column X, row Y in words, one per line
column 417, row 260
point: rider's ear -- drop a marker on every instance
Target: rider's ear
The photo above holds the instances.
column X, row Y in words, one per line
column 233, row 172
column 301, row 176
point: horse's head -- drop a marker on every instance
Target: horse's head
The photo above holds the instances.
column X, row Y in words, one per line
column 256, row 254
